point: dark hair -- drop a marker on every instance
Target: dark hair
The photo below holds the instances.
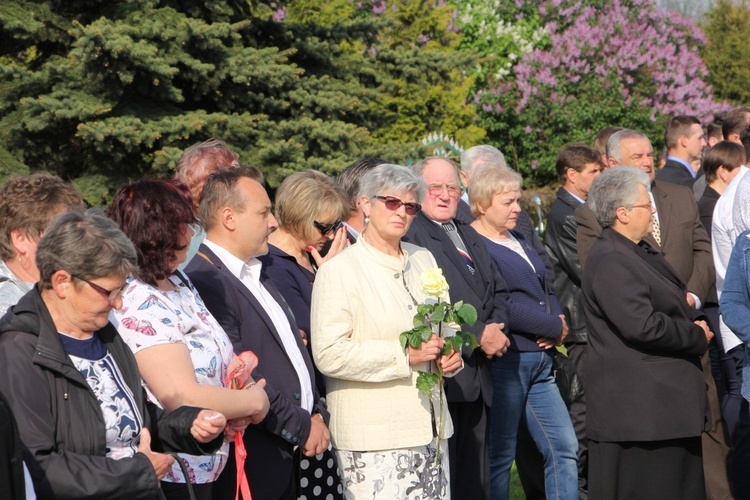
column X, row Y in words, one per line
column 152, row 214
column 349, row 180
column 727, row 154
column 220, row 190
column 600, row 141
column 737, row 122
column 677, row 127
column 576, row 156
column 28, row 203
column 713, row 129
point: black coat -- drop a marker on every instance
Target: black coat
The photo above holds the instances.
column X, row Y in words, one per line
column 61, row 421
column 270, row 444
column 562, row 248
column 675, row 173
column 485, row 290
column 644, row 380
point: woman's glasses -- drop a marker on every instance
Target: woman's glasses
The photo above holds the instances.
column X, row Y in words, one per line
column 325, row 229
column 110, row 295
column 393, row 203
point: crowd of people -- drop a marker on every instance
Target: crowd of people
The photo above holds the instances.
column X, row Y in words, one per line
column 196, row 340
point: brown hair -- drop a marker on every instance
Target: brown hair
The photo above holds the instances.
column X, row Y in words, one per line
column 576, row 156
column 28, row 203
column 727, row 154
column 677, row 127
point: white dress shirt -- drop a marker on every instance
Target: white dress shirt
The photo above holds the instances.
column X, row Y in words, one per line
column 249, row 274
column 723, row 236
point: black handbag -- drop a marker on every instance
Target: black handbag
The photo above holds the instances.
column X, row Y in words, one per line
column 568, row 381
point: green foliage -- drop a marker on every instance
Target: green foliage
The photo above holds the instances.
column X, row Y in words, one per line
column 426, row 381
column 727, row 50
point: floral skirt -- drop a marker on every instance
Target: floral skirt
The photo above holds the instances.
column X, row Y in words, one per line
column 404, row 473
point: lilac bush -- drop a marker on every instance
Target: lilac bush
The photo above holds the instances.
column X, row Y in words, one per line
column 623, row 63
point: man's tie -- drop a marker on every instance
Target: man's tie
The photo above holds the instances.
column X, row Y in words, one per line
column 450, row 229
column 656, row 231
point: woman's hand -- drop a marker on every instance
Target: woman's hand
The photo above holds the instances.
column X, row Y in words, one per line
column 709, row 334
column 208, row 425
column 236, row 425
column 159, row 461
column 564, row 332
column 260, row 398
column 340, row 241
column 546, row 342
column 449, row 363
column 428, row 351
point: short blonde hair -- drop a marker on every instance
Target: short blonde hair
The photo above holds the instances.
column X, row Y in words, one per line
column 486, row 182
column 308, row 196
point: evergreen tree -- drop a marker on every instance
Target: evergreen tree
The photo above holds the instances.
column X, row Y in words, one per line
column 727, row 50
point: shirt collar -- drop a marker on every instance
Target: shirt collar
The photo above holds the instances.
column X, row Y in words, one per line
column 234, row 264
column 683, row 163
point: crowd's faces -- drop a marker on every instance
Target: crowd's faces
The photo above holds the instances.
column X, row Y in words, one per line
column 442, row 191
column 183, row 242
column 696, row 143
column 582, row 180
column 637, row 153
column 639, row 216
column 390, row 225
column 502, row 214
column 256, row 222
column 88, row 303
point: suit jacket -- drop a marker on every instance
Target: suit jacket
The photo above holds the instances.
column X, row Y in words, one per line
column 485, row 290
column 684, row 240
column 270, row 444
column 706, row 206
column 529, row 297
column 644, row 380
column 524, row 225
column 675, row 173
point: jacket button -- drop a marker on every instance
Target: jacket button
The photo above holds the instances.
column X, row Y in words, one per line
column 541, row 303
column 297, row 395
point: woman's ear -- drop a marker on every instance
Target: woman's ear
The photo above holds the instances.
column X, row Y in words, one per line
column 61, row 283
column 364, row 202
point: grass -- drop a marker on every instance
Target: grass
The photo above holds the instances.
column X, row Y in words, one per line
column 516, row 490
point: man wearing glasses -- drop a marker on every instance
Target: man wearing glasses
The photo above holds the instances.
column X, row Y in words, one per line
column 472, row 277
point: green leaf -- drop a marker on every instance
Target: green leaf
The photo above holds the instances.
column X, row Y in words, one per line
column 426, row 381
column 419, row 320
column 458, row 305
column 438, row 314
column 425, row 332
column 469, row 339
column 403, row 339
column 424, row 309
column 415, row 340
column 468, row 314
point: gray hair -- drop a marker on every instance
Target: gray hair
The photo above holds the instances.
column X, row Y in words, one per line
column 418, row 168
column 393, row 178
column 88, row 245
column 615, row 188
column 481, row 155
column 614, row 141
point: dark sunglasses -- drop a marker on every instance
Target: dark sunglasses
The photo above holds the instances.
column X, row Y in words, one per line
column 393, row 203
column 110, row 295
column 326, row 228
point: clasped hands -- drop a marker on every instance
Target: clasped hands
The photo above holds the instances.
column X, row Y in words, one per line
column 432, row 351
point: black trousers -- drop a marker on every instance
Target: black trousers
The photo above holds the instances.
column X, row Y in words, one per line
column 467, row 449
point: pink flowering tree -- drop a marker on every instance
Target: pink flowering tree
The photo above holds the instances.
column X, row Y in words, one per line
column 621, row 62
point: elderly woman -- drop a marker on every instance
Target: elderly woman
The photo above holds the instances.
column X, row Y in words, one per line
column 181, row 350
column 382, row 427
column 309, row 210
column 645, row 390
column 27, row 205
column 523, row 384
column 74, row 385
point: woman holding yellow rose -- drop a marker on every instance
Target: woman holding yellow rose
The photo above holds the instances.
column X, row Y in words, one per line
column 383, row 429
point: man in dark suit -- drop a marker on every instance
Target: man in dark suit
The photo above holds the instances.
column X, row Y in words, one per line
column 680, row 235
column 685, row 142
column 236, row 212
column 472, row 277
column 577, row 166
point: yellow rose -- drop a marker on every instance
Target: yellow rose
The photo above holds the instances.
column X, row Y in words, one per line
column 433, row 282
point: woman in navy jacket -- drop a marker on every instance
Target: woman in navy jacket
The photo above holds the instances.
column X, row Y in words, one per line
column 524, row 387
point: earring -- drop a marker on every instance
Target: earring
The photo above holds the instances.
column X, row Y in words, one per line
column 367, row 219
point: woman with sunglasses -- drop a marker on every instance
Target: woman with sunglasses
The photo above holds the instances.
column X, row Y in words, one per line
column 73, row 384
column 362, row 301
column 181, row 350
column 309, row 210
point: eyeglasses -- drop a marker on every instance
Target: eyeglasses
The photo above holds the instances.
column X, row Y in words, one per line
column 437, row 189
column 110, row 295
column 393, row 203
column 326, row 228
column 647, row 206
